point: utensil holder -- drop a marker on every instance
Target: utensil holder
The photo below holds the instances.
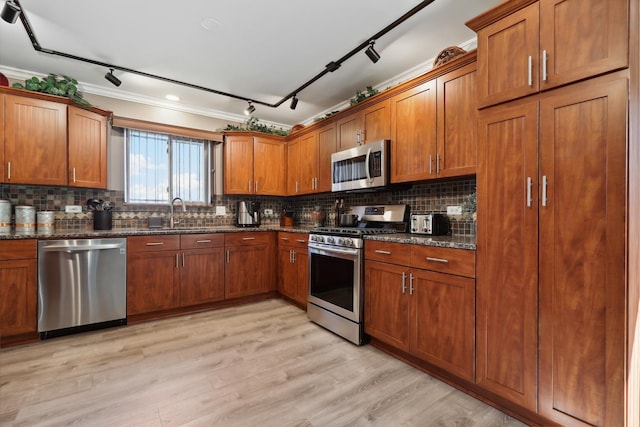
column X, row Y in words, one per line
column 102, row 220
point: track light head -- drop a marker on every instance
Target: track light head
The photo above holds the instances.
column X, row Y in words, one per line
column 250, row 109
column 294, row 102
column 113, row 79
column 10, row 12
column 371, row 53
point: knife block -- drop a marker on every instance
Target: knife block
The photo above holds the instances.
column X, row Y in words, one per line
column 102, row 220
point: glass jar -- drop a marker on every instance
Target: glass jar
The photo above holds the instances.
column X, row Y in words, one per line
column 317, row 216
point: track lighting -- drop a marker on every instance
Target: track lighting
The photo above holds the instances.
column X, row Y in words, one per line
column 10, row 12
column 294, row 102
column 371, row 53
column 250, row 109
column 113, row 79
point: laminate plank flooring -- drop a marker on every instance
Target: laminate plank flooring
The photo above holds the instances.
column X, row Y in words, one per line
column 261, row 364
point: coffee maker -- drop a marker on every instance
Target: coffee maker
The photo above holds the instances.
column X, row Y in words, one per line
column 248, row 214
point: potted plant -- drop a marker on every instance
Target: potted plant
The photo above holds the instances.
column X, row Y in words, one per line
column 55, row 84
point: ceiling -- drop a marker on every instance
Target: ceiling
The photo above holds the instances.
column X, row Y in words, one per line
column 260, row 50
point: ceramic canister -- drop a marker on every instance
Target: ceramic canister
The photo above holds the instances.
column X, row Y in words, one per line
column 5, row 215
column 46, row 222
column 25, row 218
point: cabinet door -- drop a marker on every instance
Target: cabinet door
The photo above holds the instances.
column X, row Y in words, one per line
column 348, row 129
column 443, row 321
column 152, row 281
column 269, row 167
column 457, row 132
column 87, row 148
column 326, row 147
column 3, row 173
column 286, row 272
column 376, row 122
column 308, row 163
column 35, row 141
column 507, row 252
column 386, row 303
column 582, row 252
column 582, row 38
column 294, row 149
column 508, row 57
column 301, row 262
column 238, row 165
column 201, row 276
column 247, row 270
column 413, row 140
column 18, row 299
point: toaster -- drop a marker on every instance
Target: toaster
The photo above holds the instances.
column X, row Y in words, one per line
column 432, row 224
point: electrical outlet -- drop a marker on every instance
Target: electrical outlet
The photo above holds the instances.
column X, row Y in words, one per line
column 454, row 210
column 221, row 210
column 268, row 211
column 73, row 209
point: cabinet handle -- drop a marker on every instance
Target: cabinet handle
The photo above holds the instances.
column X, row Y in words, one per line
column 410, row 283
column 380, row 251
column 248, row 238
column 297, row 186
column 8, row 171
column 228, row 256
column 256, row 186
column 404, row 283
column 363, row 134
column 203, row 241
column 301, row 241
column 530, row 67
column 430, row 162
column 544, row 65
column 437, row 164
column 74, row 175
column 182, row 259
column 544, row 190
column 154, row 243
column 176, row 260
column 294, row 256
column 444, row 261
column 284, row 238
column 529, row 184
column 316, row 183
column 249, row 186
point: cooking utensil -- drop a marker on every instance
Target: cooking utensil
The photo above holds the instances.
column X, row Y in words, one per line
column 348, row 220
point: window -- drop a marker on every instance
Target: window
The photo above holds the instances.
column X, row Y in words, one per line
column 161, row 167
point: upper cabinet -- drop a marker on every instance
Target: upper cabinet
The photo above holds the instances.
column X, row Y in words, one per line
column 46, row 141
column 254, row 165
column 528, row 46
column 369, row 124
column 309, row 161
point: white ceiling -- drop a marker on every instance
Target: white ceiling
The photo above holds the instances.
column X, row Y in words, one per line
column 255, row 49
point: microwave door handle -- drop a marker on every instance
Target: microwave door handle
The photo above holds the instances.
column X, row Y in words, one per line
column 368, row 166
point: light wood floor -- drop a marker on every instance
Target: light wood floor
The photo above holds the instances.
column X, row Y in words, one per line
column 261, row 364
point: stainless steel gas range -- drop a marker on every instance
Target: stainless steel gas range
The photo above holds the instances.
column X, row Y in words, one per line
column 336, row 268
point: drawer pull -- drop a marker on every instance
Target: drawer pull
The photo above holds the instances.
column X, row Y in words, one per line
column 379, row 251
column 301, row 241
column 154, row 243
column 284, row 238
column 444, row 261
column 204, row 241
column 248, row 238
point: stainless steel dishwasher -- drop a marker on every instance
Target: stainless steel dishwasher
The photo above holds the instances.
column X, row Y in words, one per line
column 82, row 285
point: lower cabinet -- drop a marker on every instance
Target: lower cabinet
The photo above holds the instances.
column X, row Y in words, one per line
column 249, row 264
column 293, row 266
column 18, row 290
column 202, row 268
column 421, row 300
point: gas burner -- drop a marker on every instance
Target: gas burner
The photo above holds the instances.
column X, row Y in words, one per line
column 352, row 231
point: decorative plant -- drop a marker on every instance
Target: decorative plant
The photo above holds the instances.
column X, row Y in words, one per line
column 253, row 124
column 55, row 84
column 319, row 119
column 361, row 96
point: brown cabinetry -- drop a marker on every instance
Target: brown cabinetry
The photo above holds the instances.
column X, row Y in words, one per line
column 87, row 148
column 526, row 46
column 18, row 291
column 254, row 165
column 309, row 161
column 369, row 124
column 413, row 306
column 293, row 266
column 202, row 268
column 553, row 167
column 249, row 264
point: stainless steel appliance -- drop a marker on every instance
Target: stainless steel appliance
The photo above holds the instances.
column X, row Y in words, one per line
column 432, row 224
column 81, row 285
column 248, row 214
column 362, row 167
column 336, row 274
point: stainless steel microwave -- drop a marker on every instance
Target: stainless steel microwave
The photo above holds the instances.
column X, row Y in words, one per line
column 362, row 167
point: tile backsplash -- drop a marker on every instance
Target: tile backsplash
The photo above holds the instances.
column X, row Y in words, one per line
column 422, row 198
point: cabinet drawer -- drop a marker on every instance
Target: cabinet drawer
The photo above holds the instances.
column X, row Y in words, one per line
column 153, row 243
column 247, row 238
column 197, row 241
column 17, row 249
column 460, row 262
column 393, row 253
column 299, row 240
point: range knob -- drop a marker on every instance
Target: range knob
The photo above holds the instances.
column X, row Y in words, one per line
column 330, row 240
column 348, row 242
column 341, row 241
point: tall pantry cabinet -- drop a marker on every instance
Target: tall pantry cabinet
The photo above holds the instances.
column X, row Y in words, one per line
column 552, row 186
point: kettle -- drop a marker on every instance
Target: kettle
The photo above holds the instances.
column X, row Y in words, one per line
column 248, row 214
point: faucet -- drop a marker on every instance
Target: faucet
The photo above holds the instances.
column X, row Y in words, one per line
column 173, row 222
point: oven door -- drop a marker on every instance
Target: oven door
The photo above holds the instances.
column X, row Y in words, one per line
column 335, row 280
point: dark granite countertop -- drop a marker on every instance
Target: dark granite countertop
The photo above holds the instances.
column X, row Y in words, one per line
column 456, row 242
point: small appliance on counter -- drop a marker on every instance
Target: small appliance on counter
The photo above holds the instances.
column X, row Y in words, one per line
column 248, row 214
column 286, row 216
column 431, row 224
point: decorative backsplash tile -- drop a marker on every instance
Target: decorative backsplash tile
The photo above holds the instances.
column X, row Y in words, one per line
column 422, row 198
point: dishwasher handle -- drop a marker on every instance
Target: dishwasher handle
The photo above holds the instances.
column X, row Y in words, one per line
column 68, row 248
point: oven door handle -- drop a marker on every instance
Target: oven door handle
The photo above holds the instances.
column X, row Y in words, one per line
column 368, row 167
column 333, row 251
